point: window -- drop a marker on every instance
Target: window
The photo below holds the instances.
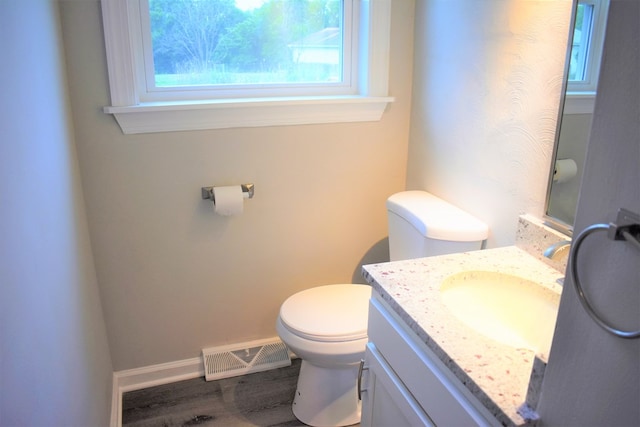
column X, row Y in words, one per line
column 586, row 54
column 206, row 64
column 220, row 49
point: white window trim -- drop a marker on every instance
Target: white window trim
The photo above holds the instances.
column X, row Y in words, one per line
column 134, row 116
column 579, row 102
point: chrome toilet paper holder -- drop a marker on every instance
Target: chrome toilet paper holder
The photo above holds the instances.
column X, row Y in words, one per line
column 247, row 192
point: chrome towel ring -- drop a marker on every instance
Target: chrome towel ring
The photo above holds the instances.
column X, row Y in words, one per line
column 627, row 228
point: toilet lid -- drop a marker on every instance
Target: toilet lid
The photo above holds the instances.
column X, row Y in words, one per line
column 328, row 313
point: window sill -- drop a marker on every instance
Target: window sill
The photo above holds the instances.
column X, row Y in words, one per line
column 237, row 113
column 579, row 102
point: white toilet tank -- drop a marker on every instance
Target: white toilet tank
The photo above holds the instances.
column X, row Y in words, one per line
column 421, row 224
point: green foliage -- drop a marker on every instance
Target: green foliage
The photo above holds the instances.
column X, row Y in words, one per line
column 185, row 33
column 214, row 39
column 579, row 16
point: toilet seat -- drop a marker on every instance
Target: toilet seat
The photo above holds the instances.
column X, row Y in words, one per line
column 331, row 313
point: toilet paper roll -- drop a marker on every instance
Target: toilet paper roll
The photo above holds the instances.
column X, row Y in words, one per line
column 228, row 200
column 565, row 170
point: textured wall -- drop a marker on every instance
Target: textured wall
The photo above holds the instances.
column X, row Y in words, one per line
column 174, row 277
column 487, row 85
column 55, row 368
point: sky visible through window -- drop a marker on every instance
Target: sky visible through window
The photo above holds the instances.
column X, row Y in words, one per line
column 249, row 4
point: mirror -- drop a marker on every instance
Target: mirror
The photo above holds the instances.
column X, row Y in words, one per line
column 574, row 123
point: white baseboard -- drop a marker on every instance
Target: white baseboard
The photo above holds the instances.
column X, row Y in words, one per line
column 150, row 376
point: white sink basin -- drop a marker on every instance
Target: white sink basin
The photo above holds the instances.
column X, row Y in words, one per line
column 509, row 309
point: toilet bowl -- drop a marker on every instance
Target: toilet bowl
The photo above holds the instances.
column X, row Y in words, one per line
column 326, row 327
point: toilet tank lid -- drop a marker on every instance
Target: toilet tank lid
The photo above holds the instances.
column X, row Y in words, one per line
column 436, row 218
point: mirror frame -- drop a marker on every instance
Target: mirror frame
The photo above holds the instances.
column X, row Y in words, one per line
column 548, row 220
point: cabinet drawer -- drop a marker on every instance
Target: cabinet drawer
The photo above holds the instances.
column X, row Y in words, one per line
column 442, row 396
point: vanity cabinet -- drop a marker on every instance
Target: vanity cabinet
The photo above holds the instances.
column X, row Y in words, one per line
column 405, row 384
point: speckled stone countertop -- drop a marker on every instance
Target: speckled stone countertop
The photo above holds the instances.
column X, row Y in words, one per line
column 497, row 374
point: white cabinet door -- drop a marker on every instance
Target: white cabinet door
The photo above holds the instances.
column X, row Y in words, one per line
column 386, row 402
column 441, row 397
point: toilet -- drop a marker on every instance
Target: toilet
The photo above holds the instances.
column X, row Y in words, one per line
column 326, row 326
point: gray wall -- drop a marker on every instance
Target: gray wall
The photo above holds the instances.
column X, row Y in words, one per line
column 593, row 378
column 55, row 367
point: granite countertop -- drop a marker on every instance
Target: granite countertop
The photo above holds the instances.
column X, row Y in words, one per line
column 497, row 374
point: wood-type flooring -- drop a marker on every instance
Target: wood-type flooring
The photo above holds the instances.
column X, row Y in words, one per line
column 260, row 399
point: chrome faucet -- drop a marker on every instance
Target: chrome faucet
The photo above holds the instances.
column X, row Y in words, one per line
column 558, row 250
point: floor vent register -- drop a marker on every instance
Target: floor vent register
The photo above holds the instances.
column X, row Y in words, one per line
column 239, row 359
